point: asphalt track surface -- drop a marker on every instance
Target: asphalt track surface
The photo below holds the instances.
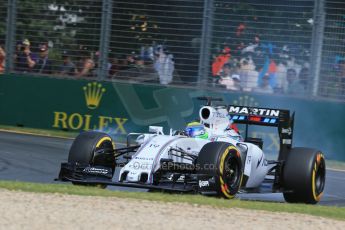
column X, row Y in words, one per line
column 33, row 158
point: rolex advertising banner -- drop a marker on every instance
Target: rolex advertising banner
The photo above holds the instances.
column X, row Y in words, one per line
column 121, row 108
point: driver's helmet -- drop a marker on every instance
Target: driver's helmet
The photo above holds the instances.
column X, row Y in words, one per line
column 196, row 129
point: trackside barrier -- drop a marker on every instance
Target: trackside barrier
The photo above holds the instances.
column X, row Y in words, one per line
column 120, row 108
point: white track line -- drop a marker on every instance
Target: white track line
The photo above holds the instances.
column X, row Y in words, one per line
column 336, row 170
column 336, row 177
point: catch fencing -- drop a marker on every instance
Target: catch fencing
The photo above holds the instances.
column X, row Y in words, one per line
column 293, row 47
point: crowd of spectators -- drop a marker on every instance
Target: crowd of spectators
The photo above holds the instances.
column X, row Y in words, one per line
column 151, row 64
column 254, row 67
column 260, row 67
column 26, row 60
column 2, row 59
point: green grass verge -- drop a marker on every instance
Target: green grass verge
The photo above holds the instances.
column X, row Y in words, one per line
column 42, row 132
column 50, row 133
column 315, row 210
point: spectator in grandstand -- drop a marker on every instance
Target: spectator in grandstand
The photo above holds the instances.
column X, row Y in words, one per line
column 164, row 65
column 341, row 80
column 238, row 49
column 26, row 59
column 257, row 39
column 68, row 68
column 96, row 59
column 220, row 60
column 240, row 29
column 248, row 74
column 249, row 49
column 17, row 51
column 131, row 59
column 123, row 62
column 139, row 72
column 2, row 59
column 294, row 85
column 146, row 53
column 269, row 68
column 119, row 66
column 293, row 64
column 304, row 76
column 147, row 71
column 264, row 86
column 85, row 66
column 139, row 62
column 281, row 81
column 230, row 77
column 115, row 66
column 43, row 65
column 135, row 67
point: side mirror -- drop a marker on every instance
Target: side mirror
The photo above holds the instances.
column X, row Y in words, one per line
column 156, row 129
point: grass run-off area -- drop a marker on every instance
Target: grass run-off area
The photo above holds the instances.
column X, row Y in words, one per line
column 315, row 210
column 40, row 132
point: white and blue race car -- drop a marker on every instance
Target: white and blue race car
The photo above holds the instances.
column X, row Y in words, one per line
column 208, row 157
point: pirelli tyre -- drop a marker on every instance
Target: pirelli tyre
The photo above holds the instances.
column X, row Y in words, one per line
column 304, row 176
column 87, row 149
column 222, row 161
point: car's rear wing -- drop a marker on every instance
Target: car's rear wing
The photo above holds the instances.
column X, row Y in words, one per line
column 266, row 117
column 258, row 116
column 262, row 116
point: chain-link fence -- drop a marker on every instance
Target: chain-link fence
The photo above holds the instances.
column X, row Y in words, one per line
column 332, row 80
column 285, row 47
column 163, row 34
column 265, row 43
column 3, row 15
column 56, row 37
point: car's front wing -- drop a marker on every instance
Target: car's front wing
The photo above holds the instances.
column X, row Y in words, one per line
column 99, row 175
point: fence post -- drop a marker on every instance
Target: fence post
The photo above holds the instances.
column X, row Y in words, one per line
column 10, row 34
column 102, row 70
column 316, row 44
column 205, row 45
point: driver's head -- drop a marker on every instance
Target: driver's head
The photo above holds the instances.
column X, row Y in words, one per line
column 195, row 129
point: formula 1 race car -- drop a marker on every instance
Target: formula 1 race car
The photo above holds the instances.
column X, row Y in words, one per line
column 208, row 157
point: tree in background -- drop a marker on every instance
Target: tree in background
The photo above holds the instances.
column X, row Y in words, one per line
column 3, row 15
column 63, row 24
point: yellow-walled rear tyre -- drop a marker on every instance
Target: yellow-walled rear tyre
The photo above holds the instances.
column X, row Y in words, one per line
column 304, row 176
column 87, row 148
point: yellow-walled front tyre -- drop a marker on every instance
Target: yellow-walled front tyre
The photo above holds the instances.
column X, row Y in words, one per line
column 90, row 148
column 304, row 176
column 223, row 161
